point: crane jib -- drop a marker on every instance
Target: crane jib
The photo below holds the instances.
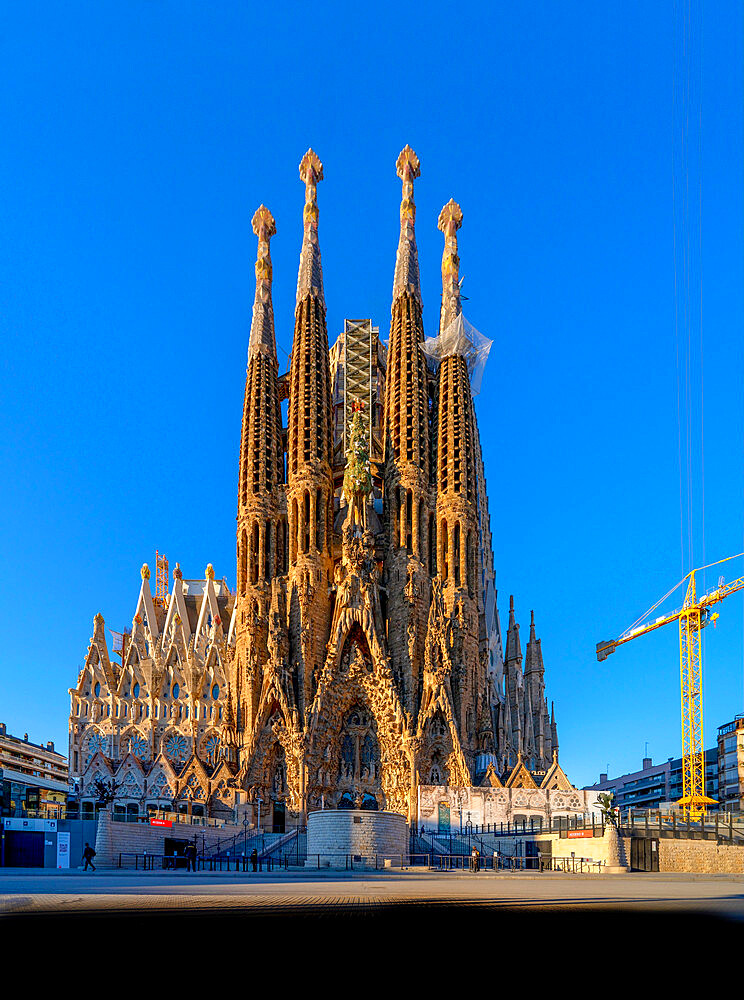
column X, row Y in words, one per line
column 695, row 615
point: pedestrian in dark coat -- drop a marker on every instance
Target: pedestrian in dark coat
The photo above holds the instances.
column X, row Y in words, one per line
column 88, row 855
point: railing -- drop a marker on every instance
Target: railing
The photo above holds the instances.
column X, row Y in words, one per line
column 171, row 862
column 535, row 824
column 264, row 844
column 715, row 826
column 350, row 862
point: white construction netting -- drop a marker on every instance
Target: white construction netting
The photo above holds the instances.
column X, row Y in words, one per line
column 460, row 337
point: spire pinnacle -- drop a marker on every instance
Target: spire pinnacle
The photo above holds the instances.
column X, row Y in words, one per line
column 310, row 277
column 513, row 643
column 262, row 323
column 406, row 262
column 450, row 220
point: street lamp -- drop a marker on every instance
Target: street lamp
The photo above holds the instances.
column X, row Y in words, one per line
column 259, row 800
column 245, row 833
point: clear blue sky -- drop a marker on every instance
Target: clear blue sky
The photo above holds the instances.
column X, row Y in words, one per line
column 137, row 141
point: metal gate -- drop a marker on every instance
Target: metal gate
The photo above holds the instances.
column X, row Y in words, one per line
column 644, row 854
column 24, row 849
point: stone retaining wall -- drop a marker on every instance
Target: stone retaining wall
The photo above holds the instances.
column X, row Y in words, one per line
column 703, row 856
column 335, row 834
column 590, row 848
column 114, row 838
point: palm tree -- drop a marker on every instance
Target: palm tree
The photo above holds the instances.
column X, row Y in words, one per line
column 604, row 801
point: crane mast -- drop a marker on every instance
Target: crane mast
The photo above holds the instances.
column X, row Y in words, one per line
column 693, row 616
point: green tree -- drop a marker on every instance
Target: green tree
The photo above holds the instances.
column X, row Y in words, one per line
column 605, row 802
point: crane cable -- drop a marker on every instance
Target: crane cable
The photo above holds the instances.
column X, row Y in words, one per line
column 689, row 369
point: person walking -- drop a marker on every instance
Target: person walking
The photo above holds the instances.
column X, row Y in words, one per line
column 191, row 858
column 254, row 859
column 88, row 855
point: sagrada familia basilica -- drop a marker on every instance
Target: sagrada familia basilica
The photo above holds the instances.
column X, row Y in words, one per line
column 358, row 663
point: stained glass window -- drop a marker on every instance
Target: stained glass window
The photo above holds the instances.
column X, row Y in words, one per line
column 138, row 746
column 212, row 747
column 177, row 747
column 96, row 742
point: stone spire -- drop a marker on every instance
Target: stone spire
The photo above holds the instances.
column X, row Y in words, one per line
column 458, row 560
column 530, row 743
column 456, row 459
column 406, row 278
column 553, row 731
column 262, row 325
column 533, row 661
column 514, row 681
column 513, row 643
column 450, row 220
column 261, row 530
column 310, row 452
column 406, row 400
column 407, row 444
column 261, row 452
column 310, row 275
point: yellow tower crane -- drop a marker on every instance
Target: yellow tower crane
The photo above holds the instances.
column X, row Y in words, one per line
column 693, row 616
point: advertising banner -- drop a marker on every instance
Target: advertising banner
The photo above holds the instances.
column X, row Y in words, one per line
column 63, row 849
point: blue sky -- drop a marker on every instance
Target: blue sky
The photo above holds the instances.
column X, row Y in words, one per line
column 596, row 151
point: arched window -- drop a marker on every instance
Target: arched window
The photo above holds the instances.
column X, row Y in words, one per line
column 267, row 552
column 243, row 561
column 254, row 553
column 445, row 550
column 306, row 522
column 319, row 518
column 409, row 521
column 470, row 552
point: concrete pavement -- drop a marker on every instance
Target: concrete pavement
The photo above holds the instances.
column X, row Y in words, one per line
column 47, row 892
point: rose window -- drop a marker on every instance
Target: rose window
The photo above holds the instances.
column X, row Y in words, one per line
column 95, row 743
column 212, row 747
column 138, row 746
column 177, row 747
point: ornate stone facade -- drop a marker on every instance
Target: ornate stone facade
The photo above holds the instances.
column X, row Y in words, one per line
column 360, row 656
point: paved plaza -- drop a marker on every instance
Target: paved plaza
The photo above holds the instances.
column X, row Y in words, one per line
column 309, row 917
column 38, row 892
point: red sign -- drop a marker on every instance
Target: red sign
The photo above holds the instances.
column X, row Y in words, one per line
column 161, row 822
column 579, row 833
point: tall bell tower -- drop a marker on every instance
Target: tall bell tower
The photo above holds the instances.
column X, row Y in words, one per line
column 262, row 530
column 310, row 456
column 407, row 469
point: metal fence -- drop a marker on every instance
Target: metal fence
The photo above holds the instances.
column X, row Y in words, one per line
column 351, row 862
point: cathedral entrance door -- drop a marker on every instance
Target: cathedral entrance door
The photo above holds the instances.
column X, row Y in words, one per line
column 279, row 817
column 444, row 817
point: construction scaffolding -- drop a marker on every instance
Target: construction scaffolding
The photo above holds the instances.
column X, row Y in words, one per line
column 360, row 375
column 460, row 337
column 161, row 580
